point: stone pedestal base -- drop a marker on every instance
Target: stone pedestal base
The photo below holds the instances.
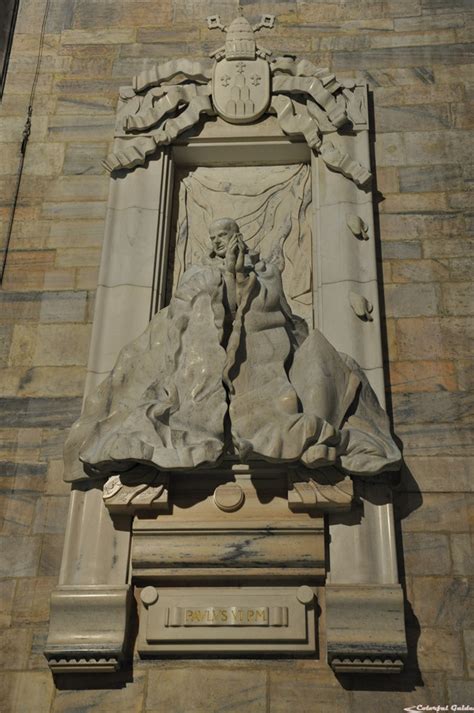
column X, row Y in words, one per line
column 228, row 569
column 229, row 563
column 228, row 528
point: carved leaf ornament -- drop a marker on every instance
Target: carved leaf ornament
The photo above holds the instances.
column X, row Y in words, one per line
column 239, row 83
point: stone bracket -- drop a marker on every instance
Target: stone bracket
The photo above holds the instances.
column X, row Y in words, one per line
column 325, row 491
column 365, row 628
column 88, row 628
column 124, row 494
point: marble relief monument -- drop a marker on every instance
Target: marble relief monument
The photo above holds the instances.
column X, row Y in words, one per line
column 232, row 464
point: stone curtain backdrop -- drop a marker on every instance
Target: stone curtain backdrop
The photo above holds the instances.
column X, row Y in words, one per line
column 272, row 205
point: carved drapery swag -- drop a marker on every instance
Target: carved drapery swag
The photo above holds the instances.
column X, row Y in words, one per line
column 240, row 83
column 228, row 369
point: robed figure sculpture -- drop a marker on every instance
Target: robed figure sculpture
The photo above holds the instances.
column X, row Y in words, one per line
column 227, row 370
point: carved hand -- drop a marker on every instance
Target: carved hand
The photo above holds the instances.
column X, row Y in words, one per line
column 240, row 261
column 231, row 254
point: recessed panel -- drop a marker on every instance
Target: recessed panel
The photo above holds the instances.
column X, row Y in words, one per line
column 228, row 620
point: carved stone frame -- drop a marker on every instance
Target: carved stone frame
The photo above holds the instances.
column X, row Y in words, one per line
column 94, row 589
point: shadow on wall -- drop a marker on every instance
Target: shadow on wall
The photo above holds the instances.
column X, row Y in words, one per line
column 411, row 676
column 378, row 198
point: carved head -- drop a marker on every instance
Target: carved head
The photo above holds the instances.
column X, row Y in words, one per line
column 220, row 232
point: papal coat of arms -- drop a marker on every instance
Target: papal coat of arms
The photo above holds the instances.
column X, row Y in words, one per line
column 240, row 83
column 241, row 88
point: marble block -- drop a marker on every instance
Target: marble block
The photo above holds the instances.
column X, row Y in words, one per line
column 88, row 627
column 226, row 528
column 365, row 628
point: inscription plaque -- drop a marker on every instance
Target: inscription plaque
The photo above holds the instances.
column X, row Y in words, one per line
column 228, row 619
column 227, row 616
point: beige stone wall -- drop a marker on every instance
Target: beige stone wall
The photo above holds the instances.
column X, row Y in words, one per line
column 416, row 57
